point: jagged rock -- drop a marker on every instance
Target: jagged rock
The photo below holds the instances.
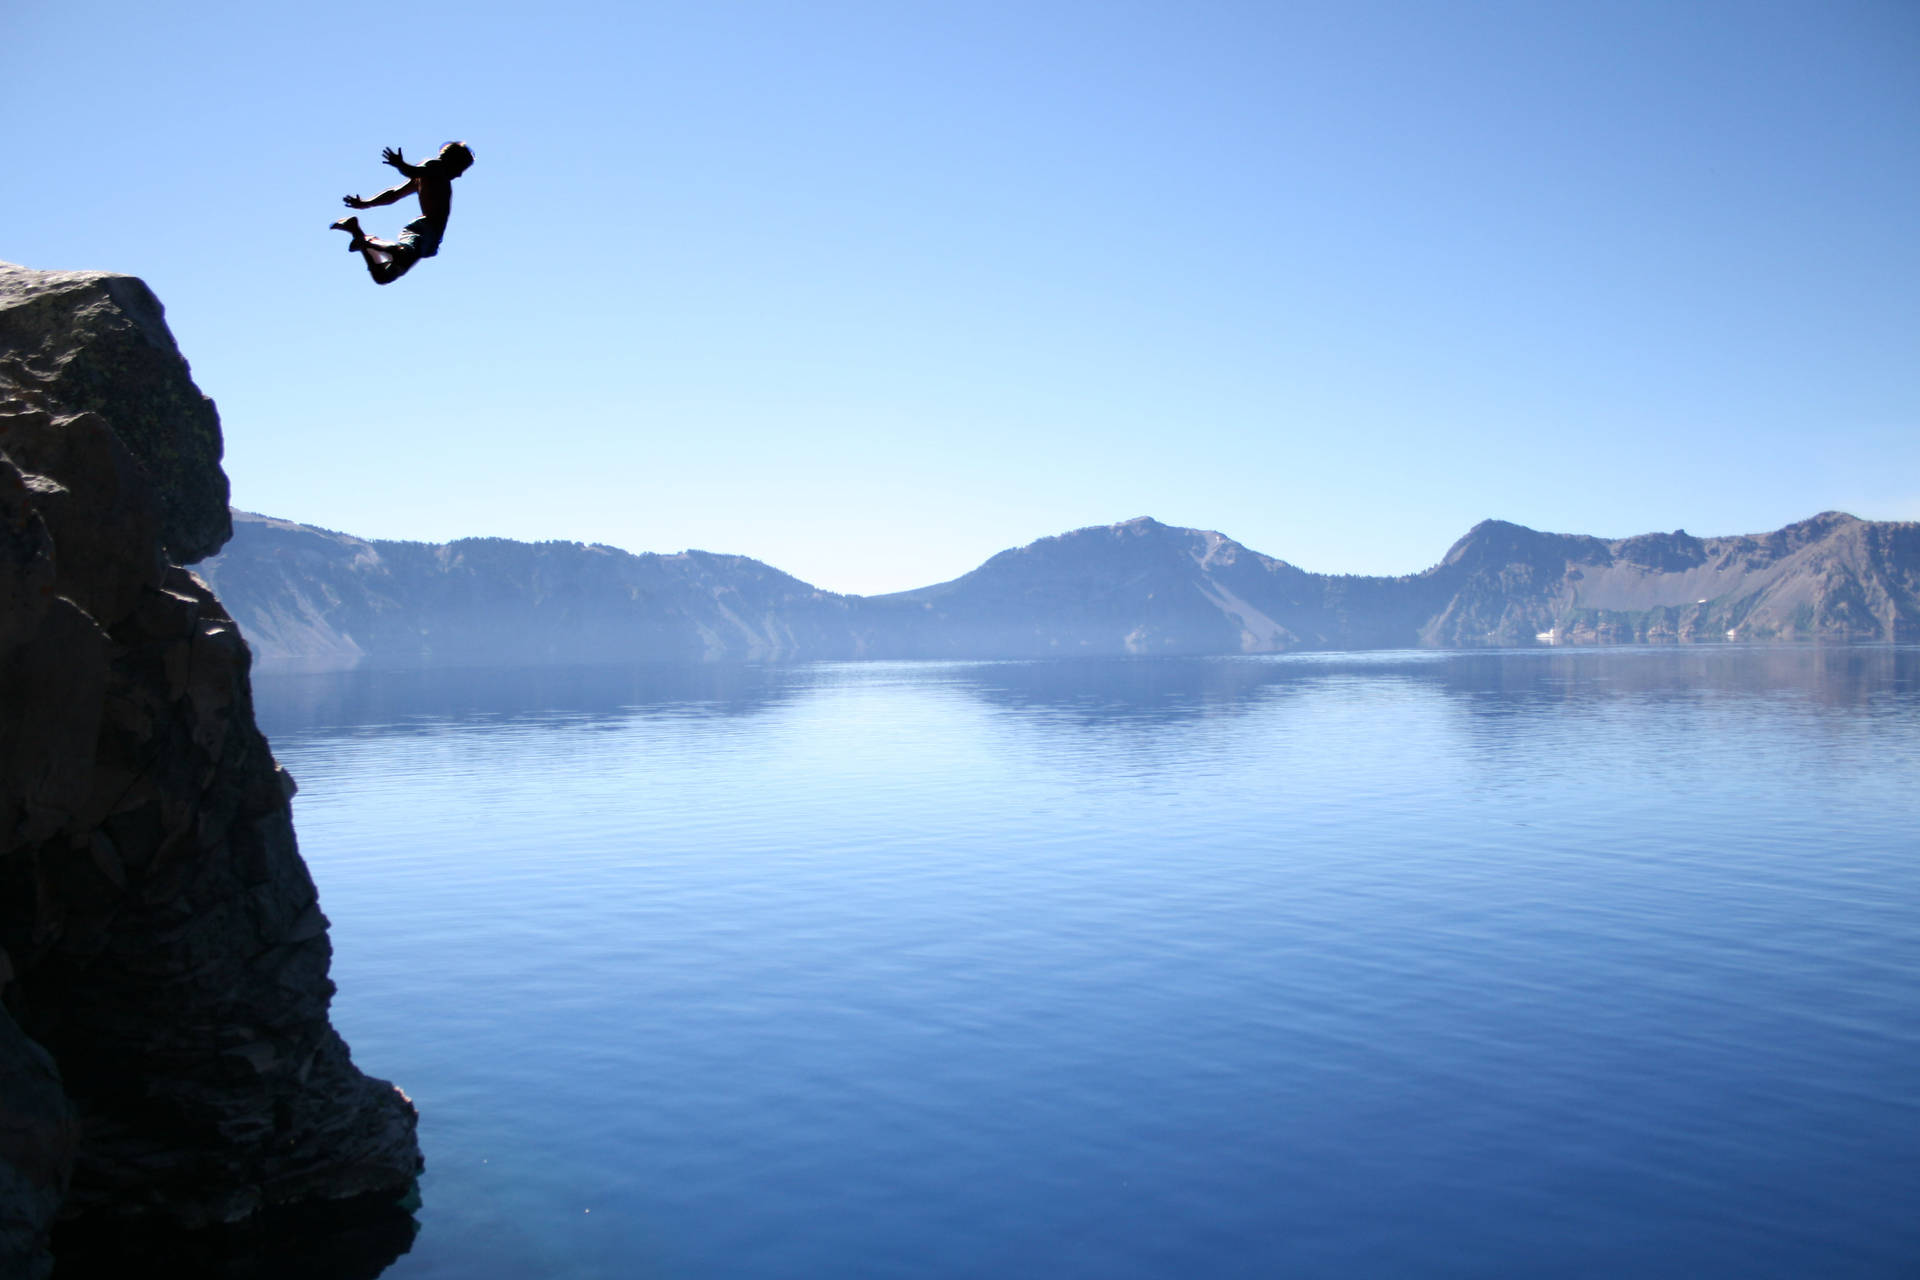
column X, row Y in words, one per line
column 96, row 341
column 26, row 559
column 36, row 1151
column 163, row 941
column 100, row 511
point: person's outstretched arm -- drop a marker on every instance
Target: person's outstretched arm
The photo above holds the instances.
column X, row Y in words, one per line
column 388, row 196
column 392, row 156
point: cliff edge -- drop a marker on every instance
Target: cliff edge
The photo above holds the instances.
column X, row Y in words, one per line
column 164, row 1044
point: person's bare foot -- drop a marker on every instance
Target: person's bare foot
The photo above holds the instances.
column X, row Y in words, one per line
column 351, row 226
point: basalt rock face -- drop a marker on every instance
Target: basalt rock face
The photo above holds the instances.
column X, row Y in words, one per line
column 166, row 1051
column 99, row 342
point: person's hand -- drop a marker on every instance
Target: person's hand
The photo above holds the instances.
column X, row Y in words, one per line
column 354, row 202
column 392, row 156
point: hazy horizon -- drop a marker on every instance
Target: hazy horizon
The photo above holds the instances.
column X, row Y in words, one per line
column 1433, row 561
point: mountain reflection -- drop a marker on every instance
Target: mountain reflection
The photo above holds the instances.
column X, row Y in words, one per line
column 1119, row 690
column 1838, row 676
column 400, row 701
column 1091, row 692
column 1509, row 682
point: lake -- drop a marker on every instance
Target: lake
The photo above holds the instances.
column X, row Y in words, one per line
column 1581, row 963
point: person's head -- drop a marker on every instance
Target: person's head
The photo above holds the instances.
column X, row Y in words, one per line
column 457, row 157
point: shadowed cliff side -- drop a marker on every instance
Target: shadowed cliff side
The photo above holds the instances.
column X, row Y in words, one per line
column 162, row 948
column 99, row 343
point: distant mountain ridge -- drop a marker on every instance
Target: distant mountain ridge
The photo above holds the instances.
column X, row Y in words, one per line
column 313, row 598
column 1832, row 577
column 321, row 599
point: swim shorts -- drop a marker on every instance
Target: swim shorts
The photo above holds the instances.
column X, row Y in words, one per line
column 422, row 236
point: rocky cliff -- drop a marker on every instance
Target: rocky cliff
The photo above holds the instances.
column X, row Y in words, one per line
column 1833, row 577
column 164, row 1044
column 317, row 599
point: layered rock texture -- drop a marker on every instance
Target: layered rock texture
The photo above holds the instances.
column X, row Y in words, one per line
column 165, row 1052
column 311, row 598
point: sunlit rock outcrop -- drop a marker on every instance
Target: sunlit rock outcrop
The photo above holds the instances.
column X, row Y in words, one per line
column 167, row 1055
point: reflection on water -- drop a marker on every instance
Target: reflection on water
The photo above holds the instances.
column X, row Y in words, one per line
column 1559, row 962
column 396, row 701
column 1096, row 691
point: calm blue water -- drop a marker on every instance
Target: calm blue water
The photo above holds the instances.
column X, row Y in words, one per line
column 1595, row 963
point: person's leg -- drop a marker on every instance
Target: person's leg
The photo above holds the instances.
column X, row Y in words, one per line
column 386, row 261
column 373, row 251
column 377, row 260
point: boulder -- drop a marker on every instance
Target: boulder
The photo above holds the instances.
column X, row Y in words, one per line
column 98, row 342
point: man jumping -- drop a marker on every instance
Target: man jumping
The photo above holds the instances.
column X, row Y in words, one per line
column 388, row 260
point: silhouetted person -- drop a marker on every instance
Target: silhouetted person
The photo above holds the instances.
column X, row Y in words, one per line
column 388, row 260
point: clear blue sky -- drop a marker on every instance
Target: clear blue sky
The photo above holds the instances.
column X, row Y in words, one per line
column 871, row 291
